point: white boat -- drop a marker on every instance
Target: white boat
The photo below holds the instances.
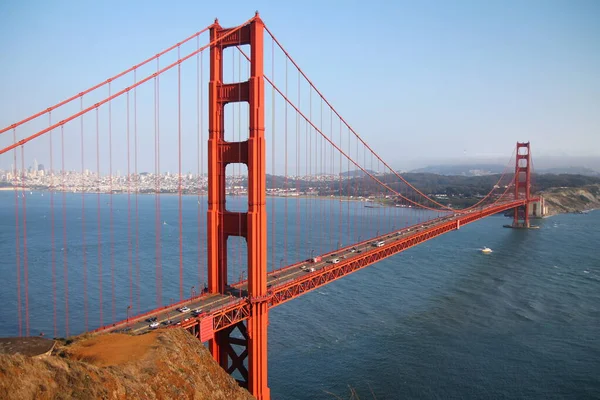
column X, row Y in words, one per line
column 486, row 250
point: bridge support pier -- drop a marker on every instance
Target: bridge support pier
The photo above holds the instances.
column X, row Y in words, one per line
column 251, row 362
column 232, row 343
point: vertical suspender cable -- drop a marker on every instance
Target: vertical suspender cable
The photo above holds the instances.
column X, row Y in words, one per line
column 52, row 239
column 158, row 177
column 98, row 181
column 25, row 263
column 285, row 182
column 110, row 197
column 325, row 228
column 236, row 167
column 84, row 250
column 273, row 236
column 348, row 188
column 310, row 151
column 156, row 216
column 239, row 141
column 179, row 175
column 17, row 237
column 306, row 182
column 204, row 272
column 137, row 189
column 332, row 173
column 129, row 233
column 64, row 221
column 297, row 235
column 340, row 194
column 199, row 155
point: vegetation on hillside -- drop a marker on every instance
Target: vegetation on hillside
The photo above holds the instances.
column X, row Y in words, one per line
column 164, row 364
column 456, row 190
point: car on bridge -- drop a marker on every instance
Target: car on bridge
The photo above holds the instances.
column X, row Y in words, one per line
column 334, row 260
column 183, row 309
column 154, row 325
column 378, row 244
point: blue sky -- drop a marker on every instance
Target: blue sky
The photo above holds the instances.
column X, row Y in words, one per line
column 418, row 80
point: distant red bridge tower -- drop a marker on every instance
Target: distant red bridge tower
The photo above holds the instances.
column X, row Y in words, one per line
column 522, row 185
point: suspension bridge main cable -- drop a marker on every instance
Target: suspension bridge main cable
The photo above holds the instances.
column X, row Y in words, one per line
column 495, row 186
column 107, row 81
column 123, row 91
column 312, row 124
column 352, row 130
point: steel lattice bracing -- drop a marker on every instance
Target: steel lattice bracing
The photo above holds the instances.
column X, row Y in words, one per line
column 237, row 310
column 232, row 314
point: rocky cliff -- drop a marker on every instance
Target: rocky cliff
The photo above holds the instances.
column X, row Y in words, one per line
column 563, row 200
column 164, row 364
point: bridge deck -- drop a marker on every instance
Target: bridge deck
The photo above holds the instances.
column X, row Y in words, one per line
column 227, row 309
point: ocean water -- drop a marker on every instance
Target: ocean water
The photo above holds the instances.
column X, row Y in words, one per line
column 443, row 321
column 439, row 321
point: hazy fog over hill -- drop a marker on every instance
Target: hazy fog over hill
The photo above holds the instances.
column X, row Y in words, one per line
column 589, row 166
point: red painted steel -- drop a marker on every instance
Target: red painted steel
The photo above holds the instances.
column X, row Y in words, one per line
column 80, row 95
column 206, row 329
column 522, row 184
column 21, row 142
column 234, row 313
column 243, row 322
column 239, row 310
column 223, row 223
column 309, row 282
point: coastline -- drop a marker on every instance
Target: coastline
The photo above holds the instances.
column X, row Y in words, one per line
column 204, row 194
column 577, row 200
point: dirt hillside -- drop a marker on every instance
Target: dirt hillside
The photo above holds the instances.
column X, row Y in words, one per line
column 165, row 364
column 564, row 200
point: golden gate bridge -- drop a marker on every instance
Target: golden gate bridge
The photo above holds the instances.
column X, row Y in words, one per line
column 265, row 119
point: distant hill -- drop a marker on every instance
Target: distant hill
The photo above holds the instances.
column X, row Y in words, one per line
column 357, row 173
column 462, row 170
column 491, row 169
column 570, row 170
column 578, row 199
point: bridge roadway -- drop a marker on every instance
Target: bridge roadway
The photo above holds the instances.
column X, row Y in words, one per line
column 219, row 311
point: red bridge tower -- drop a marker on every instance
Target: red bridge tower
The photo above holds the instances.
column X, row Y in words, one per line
column 522, row 185
column 251, row 225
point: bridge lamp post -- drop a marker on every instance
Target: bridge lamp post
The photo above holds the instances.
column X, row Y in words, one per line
column 241, row 279
column 128, row 308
